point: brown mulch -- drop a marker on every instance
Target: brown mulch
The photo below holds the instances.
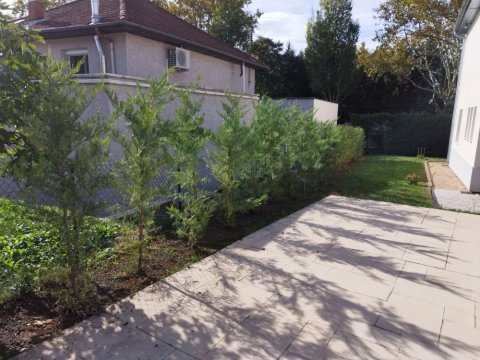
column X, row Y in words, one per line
column 27, row 320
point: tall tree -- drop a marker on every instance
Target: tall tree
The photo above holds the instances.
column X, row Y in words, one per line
column 287, row 75
column 233, row 24
column 268, row 82
column 418, row 39
column 228, row 20
column 197, row 12
column 294, row 73
column 19, row 64
column 385, row 93
column 331, row 50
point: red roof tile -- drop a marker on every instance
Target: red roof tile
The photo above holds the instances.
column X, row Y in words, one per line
column 140, row 14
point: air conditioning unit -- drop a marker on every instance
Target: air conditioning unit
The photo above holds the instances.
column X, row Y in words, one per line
column 179, row 59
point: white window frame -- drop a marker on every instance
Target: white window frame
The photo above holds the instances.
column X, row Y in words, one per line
column 471, row 124
column 78, row 52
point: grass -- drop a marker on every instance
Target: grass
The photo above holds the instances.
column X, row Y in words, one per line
column 383, row 178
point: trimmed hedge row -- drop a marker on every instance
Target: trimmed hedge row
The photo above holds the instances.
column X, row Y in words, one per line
column 405, row 133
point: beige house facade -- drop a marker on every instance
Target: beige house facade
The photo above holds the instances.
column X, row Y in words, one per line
column 134, row 57
column 125, row 42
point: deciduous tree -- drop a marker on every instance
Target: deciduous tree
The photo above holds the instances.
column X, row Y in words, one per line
column 418, row 38
column 19, row 65
column 228, row 20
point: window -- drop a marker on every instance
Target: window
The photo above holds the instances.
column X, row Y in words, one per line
column 459, row 126
column 76, row 57
column 471, row 122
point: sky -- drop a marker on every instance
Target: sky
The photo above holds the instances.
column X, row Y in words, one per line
column 286, row 20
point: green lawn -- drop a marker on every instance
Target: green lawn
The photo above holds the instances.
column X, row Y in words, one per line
column 383, row 178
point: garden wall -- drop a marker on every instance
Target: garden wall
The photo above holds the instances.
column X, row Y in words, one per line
column 405, row 133
column 123, row 86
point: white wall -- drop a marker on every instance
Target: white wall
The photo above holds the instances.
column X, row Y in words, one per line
column 464, row 155
column 324, row 111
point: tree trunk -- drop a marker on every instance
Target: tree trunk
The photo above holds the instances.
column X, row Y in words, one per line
column 71, row 256
column 141, row 227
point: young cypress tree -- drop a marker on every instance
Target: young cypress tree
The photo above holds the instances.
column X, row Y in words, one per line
column 186, row 142
column 230, row 160
column 144, row 151
column 67, row 159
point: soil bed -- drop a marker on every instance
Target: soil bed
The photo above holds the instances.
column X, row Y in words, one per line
column 27, row 320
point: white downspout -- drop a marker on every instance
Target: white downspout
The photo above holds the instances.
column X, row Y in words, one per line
column 101, row 54
column 95, row 19
column 112, row 57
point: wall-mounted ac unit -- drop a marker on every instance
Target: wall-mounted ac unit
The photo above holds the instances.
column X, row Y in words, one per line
column 179, row 59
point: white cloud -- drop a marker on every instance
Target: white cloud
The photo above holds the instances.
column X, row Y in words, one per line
column 286, row 20
column 293, row 28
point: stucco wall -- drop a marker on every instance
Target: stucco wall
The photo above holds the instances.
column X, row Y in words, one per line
column 210, row 108
column 324, row 111
column 146, row 57
column 141, row 57
column 464, row 156
column 58, row 47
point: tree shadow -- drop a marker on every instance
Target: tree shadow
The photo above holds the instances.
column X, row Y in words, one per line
column 285, row 292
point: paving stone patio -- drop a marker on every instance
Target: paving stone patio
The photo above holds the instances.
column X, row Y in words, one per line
column 340, row 279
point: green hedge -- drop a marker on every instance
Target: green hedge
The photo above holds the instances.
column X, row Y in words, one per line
column 405, row 133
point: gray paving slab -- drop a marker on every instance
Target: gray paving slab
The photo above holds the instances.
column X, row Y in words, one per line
column 341, row 279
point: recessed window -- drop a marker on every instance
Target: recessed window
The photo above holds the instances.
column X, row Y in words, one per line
column 471, row 123
column 459, row 126
column 78, row 58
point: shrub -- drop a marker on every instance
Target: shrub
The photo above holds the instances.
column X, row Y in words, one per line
column 267, row 139
column 144, row 151
column 350, row 146
column 413, row 179
column 192, row 219
column 30, row 245
column 405, row 133
column 230, row 159
column 186, row 141
column 66, row 162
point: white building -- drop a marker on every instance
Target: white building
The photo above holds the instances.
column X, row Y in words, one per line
column 324, row 111
column 464, row 151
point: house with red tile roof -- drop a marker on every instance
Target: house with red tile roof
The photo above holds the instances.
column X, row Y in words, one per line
column 122, row 42
column 136, row 38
